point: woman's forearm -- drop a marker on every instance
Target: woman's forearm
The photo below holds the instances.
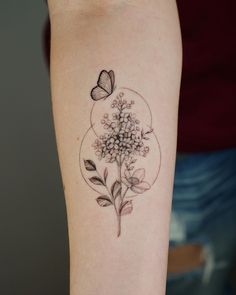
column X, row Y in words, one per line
column 116, row 138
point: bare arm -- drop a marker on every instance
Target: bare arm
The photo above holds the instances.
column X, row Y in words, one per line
column 115, row 75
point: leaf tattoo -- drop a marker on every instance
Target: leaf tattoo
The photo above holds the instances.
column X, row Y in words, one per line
column 104, row 201
column 105, row 174
column 126, row 208
column 116, row 189
column 89, row 165
column 96, row 180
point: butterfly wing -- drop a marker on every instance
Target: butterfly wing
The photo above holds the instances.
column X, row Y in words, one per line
column 105, row 82
column 112, row 77
column 98, row 93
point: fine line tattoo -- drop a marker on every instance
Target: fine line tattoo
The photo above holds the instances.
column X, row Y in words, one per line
column 119, row 143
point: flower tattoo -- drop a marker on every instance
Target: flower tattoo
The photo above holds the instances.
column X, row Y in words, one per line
column 135, row 181
column 119, row 139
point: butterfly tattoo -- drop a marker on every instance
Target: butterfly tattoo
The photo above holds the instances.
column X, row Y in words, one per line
column 105, row 85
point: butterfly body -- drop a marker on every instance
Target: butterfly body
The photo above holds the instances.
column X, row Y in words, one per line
column 105, row 85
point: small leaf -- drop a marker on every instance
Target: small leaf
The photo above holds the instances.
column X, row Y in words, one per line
column 116, row 189
column 105, row 174
column 118, row 193
column 96, row 180
column 149, row 131
column 104, row 201
column 126, row 208
column 89, row 165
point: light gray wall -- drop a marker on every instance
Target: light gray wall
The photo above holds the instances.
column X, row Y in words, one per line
column 33, row 232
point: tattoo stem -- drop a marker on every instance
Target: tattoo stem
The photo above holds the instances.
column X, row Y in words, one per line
column 119, row 215
column 114, row 204
column 119, row 225
column 127, row 188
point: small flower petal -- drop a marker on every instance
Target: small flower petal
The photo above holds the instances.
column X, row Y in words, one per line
column 139, row 173
column 133, row 180
column 127, row 174
column 141, row 187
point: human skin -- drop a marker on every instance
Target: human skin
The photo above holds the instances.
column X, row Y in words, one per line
column 139, row 41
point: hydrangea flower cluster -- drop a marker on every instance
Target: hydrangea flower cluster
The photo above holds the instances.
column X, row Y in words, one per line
column 124, row 137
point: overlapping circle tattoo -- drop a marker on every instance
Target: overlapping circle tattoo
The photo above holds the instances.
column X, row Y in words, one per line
column 120, row 156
